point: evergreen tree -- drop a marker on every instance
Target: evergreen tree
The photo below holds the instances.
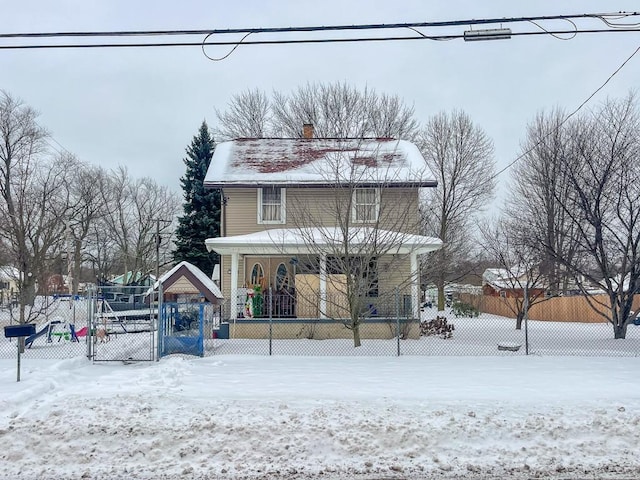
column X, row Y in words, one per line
column 201, row 219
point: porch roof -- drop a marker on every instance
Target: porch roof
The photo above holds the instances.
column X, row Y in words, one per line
column 284, row 241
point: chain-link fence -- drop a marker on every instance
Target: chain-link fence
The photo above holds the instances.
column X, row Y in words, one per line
column 106, row 323
column 61, row 327
column 122, row 324
column 117, row 325
column 465, row 327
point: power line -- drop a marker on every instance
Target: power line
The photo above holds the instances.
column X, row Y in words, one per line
column 611, row 20
column 566, row 119
column 605, row 17
column 297, row 41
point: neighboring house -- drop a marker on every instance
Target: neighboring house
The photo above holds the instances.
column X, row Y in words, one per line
column 501, row 282
column 291, row 205
column 57, row 284
column 131, row 278
column 8, row 283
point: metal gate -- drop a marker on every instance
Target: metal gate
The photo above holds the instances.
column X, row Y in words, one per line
column 122, row 324
column 182, row 328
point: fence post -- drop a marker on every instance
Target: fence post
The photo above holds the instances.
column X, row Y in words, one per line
column 160, row 324
column 270, row 299
column 526, row 317
column 20, row 342
column 92, row 303
column 398, row 319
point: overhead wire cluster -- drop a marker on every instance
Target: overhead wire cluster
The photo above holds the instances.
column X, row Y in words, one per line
column 616, row 22
column 613, row 23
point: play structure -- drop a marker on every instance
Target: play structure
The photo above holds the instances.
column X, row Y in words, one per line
column 53, row 329
column 175, row 317
column 138, row 318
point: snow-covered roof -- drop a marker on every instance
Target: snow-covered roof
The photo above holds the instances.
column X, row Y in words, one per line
column 199, row 274
column 501, row 278
column 8, row 273
column 196, row 272
column 315, row 240
column 131, row 277
column 317, row 161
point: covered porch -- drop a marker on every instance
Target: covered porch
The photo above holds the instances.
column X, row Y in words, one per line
column 288, row 274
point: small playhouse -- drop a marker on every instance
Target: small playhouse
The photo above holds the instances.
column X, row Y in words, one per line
column 189, row 310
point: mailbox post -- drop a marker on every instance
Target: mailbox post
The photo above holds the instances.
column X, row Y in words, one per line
column 19, row 331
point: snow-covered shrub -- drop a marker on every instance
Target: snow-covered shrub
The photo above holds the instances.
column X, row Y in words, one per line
column 461, row 309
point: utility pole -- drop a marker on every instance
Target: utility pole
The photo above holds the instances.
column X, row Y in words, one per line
column 70, row 271
column 157, row 249
column 158, row 243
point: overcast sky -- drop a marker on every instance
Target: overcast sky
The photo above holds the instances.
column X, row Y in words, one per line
column 141, row 107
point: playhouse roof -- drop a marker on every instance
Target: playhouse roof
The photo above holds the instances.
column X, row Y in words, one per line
column 187, row 278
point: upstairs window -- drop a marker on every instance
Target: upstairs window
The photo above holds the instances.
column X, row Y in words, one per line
column 271, row 205
column 366, row 205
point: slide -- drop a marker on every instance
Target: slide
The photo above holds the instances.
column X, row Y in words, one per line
column 29, row 341
column 82, row 332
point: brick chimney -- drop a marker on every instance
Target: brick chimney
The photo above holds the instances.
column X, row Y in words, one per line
column 307, row 130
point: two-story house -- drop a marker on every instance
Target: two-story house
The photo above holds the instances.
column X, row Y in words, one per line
column 312, row 223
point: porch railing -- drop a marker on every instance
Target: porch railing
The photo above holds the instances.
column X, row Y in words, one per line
column 288, row 305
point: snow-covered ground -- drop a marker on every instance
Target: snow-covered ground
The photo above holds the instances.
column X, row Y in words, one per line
column 472, row 336
column 232, row 416
column 362, row 413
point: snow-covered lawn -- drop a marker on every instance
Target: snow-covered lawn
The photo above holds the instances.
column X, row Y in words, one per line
column 231, row 416
column 472, row 336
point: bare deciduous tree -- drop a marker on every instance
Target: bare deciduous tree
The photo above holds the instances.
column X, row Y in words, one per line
column 540, row 188
column 519, row 262
column 33, row 200
column 247, row 115
column 86, row 207
column 460, row 156
column 362, row 238
column 133, row 209
column 603, row 206
column 336, row 110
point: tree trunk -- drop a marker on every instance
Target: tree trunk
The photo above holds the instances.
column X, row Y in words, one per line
column 519, row 319
column 620, row 331
column 441, row 298
column 77, row 263
column 356, row 334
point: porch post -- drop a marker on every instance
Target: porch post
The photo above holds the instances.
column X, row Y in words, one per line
column 233, row 313
column 415, row 286
column 323, row 286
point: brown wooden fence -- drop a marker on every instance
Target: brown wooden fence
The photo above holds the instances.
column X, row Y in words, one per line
column 557, row 309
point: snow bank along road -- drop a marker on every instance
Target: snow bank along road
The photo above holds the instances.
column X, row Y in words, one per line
column 298, row 417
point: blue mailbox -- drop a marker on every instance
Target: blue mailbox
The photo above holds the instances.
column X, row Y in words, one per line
column 25, row 330
column 18, row 331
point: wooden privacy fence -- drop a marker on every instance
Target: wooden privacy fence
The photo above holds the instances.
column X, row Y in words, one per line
column 557, row 309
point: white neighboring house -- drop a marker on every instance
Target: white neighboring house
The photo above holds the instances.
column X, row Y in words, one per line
column 8, row 283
